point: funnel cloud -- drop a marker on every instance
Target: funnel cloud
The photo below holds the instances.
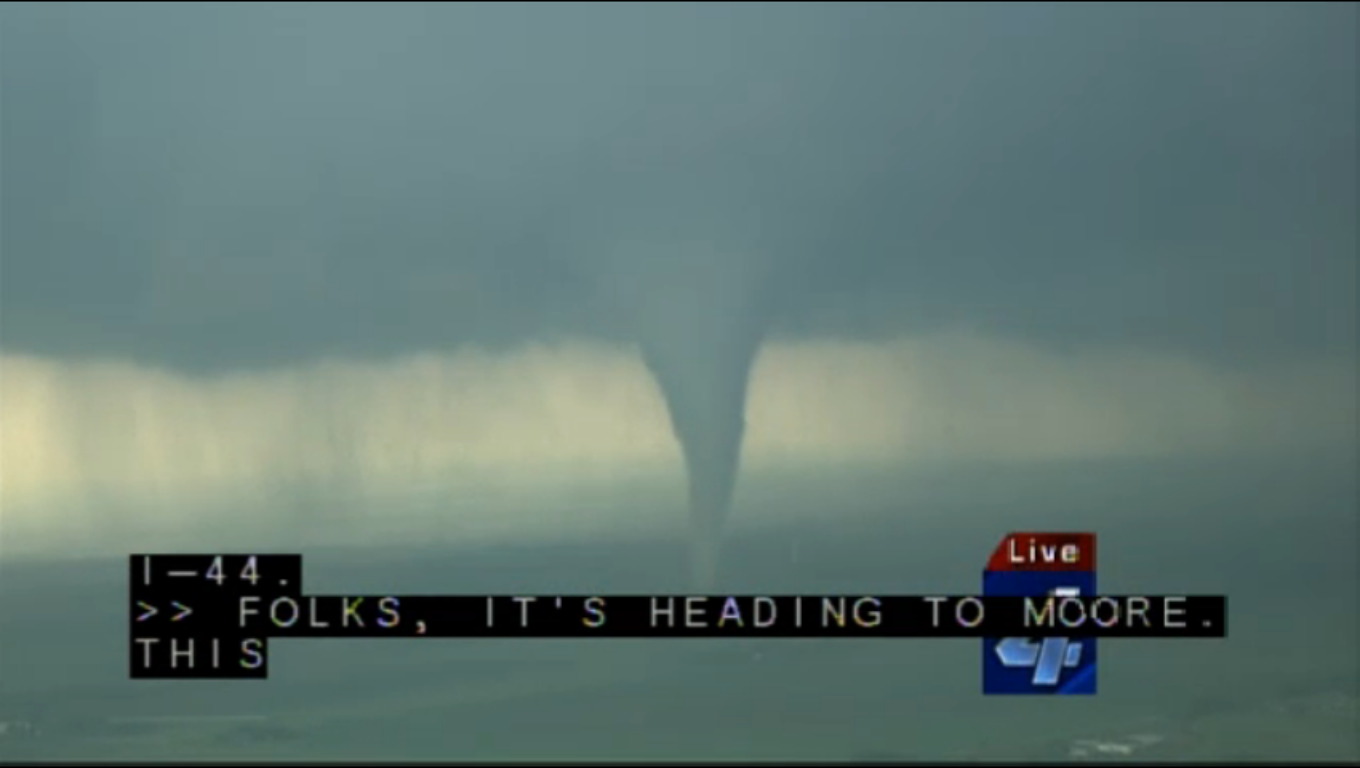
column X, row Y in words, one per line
column 701, row 356
column 220, row 190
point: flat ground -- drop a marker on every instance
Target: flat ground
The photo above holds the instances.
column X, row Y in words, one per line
column 1283, row 546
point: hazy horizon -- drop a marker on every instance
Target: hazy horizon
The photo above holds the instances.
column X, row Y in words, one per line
column 500, row 437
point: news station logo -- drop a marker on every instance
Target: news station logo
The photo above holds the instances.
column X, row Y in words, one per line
column 1039, row 565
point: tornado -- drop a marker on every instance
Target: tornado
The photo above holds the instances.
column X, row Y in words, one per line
column 701, row 360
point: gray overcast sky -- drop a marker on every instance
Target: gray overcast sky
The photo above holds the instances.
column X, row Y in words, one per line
column 215, row 186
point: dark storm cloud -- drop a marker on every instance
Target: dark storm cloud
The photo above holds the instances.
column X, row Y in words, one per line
column 215, row 186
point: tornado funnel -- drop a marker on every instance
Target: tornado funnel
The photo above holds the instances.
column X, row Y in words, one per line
column 702, row 367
